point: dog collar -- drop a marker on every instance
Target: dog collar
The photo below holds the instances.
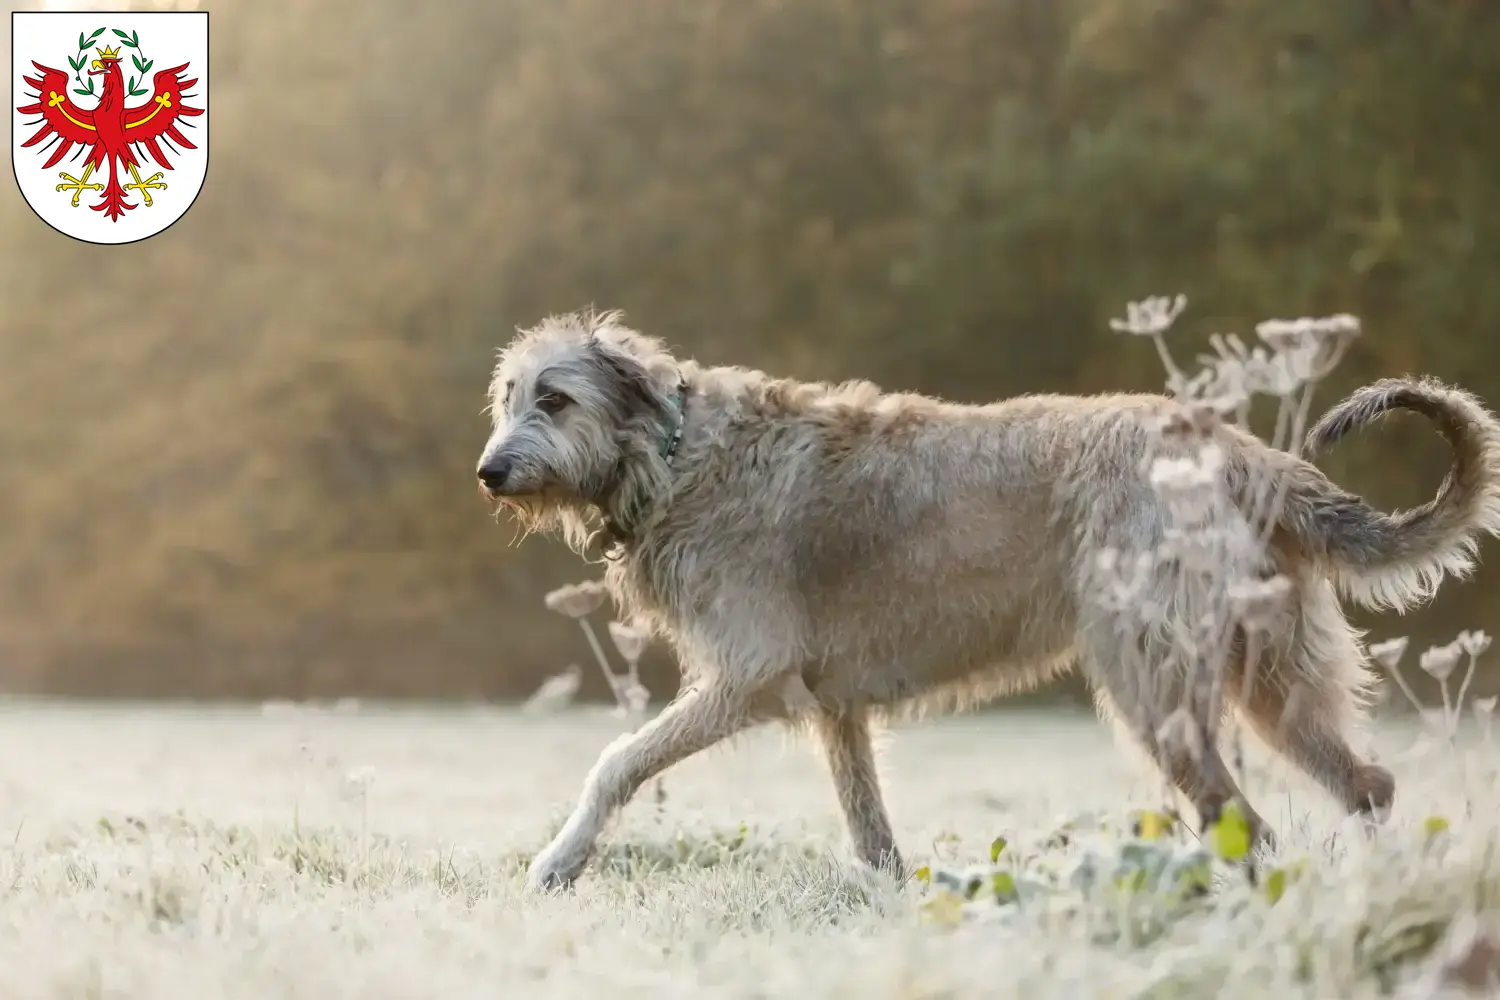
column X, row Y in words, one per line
column 670, row 444
column 620, row 531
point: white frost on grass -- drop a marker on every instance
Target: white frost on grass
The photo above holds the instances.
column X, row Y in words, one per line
column 220, row 854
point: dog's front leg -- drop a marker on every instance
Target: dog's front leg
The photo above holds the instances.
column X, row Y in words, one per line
column 698, row 719
column 851, row 761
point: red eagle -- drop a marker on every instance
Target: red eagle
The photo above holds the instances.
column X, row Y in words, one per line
column 111, row 129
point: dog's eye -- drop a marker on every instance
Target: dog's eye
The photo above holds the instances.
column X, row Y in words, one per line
column 552, row 402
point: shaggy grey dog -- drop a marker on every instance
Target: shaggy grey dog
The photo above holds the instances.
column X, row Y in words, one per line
column 823, row 554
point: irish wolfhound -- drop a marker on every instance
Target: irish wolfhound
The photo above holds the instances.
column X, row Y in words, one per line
column 820, row 553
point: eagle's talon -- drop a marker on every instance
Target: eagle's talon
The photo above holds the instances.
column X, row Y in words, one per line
column 78, row 185
column 146, row 186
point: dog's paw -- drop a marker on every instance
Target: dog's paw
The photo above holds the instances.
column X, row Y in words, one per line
column 553, row 871
column 548, row 883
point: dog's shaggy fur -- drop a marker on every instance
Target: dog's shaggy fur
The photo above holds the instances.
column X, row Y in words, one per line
column 822, row 553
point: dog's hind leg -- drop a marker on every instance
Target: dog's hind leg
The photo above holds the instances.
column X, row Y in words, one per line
column 696, row 720
column 851, row 760
column 1294, row 719
column 1173, row 723
column 1302, row 698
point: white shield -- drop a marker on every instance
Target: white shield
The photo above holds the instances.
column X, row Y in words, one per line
column 109, row 119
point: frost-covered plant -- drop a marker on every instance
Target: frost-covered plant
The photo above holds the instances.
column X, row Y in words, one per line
column 579, row 600
column 1138, row 881
column 1217, row 544
column 1224, row 581
column 1440, row 663
column 556, row 692
column 632, row 698
column 631, row 643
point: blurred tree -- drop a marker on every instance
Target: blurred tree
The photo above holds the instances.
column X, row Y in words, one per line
column 263, row 484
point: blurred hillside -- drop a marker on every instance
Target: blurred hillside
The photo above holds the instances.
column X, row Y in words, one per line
column 257, row 479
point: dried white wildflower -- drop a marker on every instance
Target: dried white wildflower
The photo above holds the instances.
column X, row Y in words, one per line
column 1440, row 661
column 1258, row 603
column 1210, row 548
column 1230, row 390
column 1285, row 333
column 1181, row 475
column 1150, row 316
column 1190, row 387
column 1309, row 348
column 632, row 697
column 1174, row 473
column 575, row 600
column 1190, row 486
column 1263, row 375
column 1474, row 643
column 1121, row 584
column 629, row 640
column 555, row 692
column 1179, row 734
column 1484, row 708
column 1282, row 373
column 1211, row 461
column 1225, row 383
column 1436, row 721
column 637, row 697
column 1388, row 653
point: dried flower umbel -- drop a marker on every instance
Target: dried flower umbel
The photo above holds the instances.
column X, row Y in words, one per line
column 1388, row 653
column 1439, row 663
column 578, row 601
column 631, row 642
column 1224, row 577
column 556, row 692
column 1484, row 714
column 1259, row 604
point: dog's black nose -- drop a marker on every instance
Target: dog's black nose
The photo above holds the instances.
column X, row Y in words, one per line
column 494, row 472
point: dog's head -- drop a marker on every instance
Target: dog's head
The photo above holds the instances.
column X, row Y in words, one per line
column 575, row 400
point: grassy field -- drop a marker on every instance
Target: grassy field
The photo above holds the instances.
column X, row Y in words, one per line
column 157, row 852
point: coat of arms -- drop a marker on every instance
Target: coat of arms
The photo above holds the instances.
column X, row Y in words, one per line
column 112, row 148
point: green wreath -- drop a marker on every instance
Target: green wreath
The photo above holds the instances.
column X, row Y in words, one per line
column 132, row 40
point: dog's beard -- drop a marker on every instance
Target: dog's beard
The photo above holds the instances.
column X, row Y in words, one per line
column 531, row 512
column 541, row 514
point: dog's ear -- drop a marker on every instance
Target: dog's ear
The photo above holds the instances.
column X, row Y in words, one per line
column 637, row 391
column 647, row 352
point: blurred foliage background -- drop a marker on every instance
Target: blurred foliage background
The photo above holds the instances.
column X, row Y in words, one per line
column 238, row 457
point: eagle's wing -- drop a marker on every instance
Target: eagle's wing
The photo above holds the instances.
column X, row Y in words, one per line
column 59, row 115
column 158, row 118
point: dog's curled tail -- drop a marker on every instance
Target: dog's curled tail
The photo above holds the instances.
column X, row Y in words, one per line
column 1399, row 559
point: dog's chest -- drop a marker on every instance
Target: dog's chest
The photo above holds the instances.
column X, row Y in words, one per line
column 641, row 598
